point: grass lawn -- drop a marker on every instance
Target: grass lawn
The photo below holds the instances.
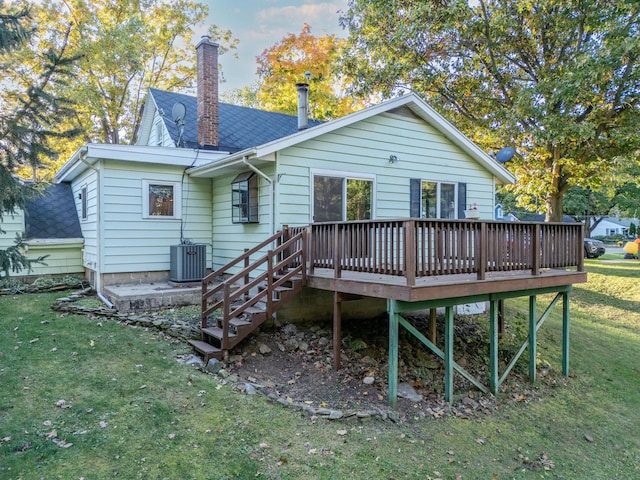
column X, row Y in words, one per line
column 93, row 399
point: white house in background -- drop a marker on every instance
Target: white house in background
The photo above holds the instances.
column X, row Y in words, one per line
column 228, row 176
column 613, row 226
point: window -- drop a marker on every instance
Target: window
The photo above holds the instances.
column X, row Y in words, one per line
column 83, row 201
column 161, row 199
column 244, row 198
column 437, row 199
column 337, row 198
column 159, row 133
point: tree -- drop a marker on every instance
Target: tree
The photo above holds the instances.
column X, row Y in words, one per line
column 284, row 64
column 558, row 80
column 126, row 46
column 28, row 121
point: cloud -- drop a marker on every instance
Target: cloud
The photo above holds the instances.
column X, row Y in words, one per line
column 322, row 17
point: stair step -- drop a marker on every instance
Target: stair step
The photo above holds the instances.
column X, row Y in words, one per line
column 237, row 322
column 253, row 310
column 208, row 351
column 216, row 332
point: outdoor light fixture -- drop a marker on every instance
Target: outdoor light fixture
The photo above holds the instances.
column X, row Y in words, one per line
column 393, row 159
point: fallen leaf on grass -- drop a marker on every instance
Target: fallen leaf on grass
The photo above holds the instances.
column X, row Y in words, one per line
column 5, row 440
column 172, row 436
column 341, row 432
column 480, row 441
column 103, row 424
column 588, row 438
column 34, row 340
column 62, row 443
column 63, row 404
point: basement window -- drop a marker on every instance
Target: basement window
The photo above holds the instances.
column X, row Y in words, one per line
column 244, row 198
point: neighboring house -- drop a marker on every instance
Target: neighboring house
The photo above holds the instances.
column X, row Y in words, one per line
column 50, row 227
column 229, row 176
column 613, row 226
column 500, row 215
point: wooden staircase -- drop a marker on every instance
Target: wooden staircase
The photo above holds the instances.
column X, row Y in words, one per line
column 238, row 304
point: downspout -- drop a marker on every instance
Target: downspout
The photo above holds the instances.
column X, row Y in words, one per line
column 271, row 194
column 83, row 158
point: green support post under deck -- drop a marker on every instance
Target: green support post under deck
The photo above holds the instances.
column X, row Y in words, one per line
column 565, row 333
column 448, row 354
column 494, row 309
column 532, row 338
column 396, row 307
column 393, row 352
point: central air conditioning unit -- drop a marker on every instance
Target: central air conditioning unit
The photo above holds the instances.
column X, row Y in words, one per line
column 188, row 262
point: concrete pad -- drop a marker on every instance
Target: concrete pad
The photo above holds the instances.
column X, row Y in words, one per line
column 151, row 296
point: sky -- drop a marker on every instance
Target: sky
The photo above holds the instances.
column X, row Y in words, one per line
column 259, row 24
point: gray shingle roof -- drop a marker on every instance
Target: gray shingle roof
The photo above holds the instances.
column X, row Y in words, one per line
column 239, row 127
column 52, row 215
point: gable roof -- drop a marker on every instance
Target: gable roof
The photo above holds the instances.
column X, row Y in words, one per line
column 239, row 127
column 52, row 215
column 412, row 101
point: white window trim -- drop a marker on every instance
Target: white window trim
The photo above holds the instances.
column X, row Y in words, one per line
column 84, row 203
column 177, row 200
column 439, row 183
column 347, row 176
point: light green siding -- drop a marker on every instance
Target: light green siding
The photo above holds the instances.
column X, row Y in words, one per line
column 131, row 243
column 11, row 224
column 89, row 225
column 62, row 258
column 364, row 148
column 230, row 239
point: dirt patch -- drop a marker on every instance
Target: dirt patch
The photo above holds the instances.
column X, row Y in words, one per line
column 295, row 362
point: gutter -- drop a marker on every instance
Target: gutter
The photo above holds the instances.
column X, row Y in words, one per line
column 272, row 192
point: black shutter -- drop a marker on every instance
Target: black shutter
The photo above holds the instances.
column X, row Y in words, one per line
column 414, row 197
column 462, row 199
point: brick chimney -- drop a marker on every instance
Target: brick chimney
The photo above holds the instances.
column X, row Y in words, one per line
column 207, row 78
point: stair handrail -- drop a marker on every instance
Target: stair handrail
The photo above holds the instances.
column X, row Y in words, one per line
column 208, row 293
column 274, row 264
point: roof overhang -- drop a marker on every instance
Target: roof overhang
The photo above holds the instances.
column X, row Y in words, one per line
column 267, row 151
column 86, row 157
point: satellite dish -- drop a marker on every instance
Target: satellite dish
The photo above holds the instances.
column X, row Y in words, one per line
column 178, row 112
column 505, row 154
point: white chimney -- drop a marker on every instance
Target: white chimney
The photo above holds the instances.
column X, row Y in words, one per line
column 303, row 105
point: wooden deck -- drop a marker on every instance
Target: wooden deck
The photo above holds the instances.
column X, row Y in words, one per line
column 413, row 259
column 415, row 264
column 440, row 287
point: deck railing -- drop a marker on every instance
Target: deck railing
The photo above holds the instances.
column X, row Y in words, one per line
column 415, row 248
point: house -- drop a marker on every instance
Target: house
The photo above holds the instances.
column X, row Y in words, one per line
column 50, row 228
column 228, row 177
column 613, row 226
column 374, row 204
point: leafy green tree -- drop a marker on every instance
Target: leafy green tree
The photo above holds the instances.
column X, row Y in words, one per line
column 29, row 129
column 284, row 64
column 126, row 46
column 557, row 80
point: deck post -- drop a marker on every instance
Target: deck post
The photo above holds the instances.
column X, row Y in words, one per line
column 409, row 264
column 493, row 345
column 532, row 338
column 565, row 333
column 448, row 354
column 433, row 325
column 337, row 330
column 394, row 326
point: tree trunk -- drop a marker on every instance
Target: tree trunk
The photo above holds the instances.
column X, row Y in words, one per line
column 554, row 207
